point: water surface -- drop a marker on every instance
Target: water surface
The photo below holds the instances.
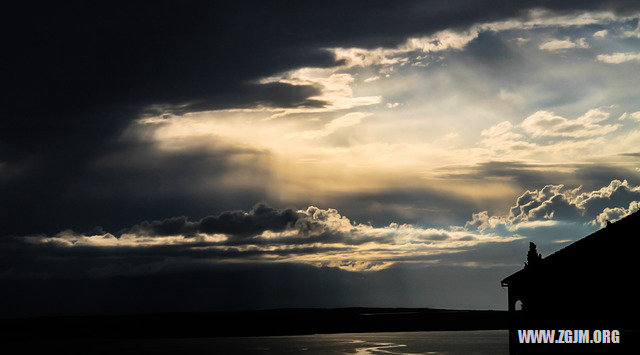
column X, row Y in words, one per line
column 446, row 342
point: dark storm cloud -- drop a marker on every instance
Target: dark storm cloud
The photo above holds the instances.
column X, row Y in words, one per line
column 247, row 96
column 236, row 223
column 130, row 183
column 75, row 74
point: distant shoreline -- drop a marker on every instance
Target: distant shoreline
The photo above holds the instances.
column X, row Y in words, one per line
column 274, row 322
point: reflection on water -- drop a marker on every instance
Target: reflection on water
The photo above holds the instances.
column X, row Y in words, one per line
column 462, row 342
column 381, row 348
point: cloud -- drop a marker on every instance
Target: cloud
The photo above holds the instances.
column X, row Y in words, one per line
column 547, row 124
column 542, row 18
column 534, row 224
column 438, row 42
column 635, row 33
column 616, row 213
column 334, row 91
column 601, row 34
column 348, row 120
column 619, row 57
column 547, row 134
column 523, row 174
column 551, row 138
column 554, row 45
column 633, row 116
column 552, row 204
column 355, row 266
column 233, row 223
column 481, row 221
column 508, row 96
column 498, row 130
column 326, row 238
column 617, row 193
column 314, row 236
column 501, row 137
column 446, row 40
column 137, row 180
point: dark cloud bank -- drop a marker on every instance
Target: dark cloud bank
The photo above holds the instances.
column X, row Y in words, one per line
column 236, row 223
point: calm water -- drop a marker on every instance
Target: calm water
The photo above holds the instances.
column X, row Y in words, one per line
column 466, row 342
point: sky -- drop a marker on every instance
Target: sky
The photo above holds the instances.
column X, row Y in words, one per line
column 196, row 156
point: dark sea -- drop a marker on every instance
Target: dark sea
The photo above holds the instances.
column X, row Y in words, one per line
column 447, row 342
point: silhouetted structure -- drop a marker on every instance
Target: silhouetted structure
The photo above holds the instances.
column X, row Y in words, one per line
column 533, row 258
column 590, row 284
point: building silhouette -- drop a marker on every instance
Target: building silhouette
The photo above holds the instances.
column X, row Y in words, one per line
column 592, row 283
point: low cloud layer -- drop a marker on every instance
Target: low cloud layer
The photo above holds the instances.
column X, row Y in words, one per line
column 547, row 124
column 324, row 237
column 320, row 237
column 619, row 57
column 554, row 45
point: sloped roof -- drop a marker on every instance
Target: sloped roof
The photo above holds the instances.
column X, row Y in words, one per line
column 614, row 243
